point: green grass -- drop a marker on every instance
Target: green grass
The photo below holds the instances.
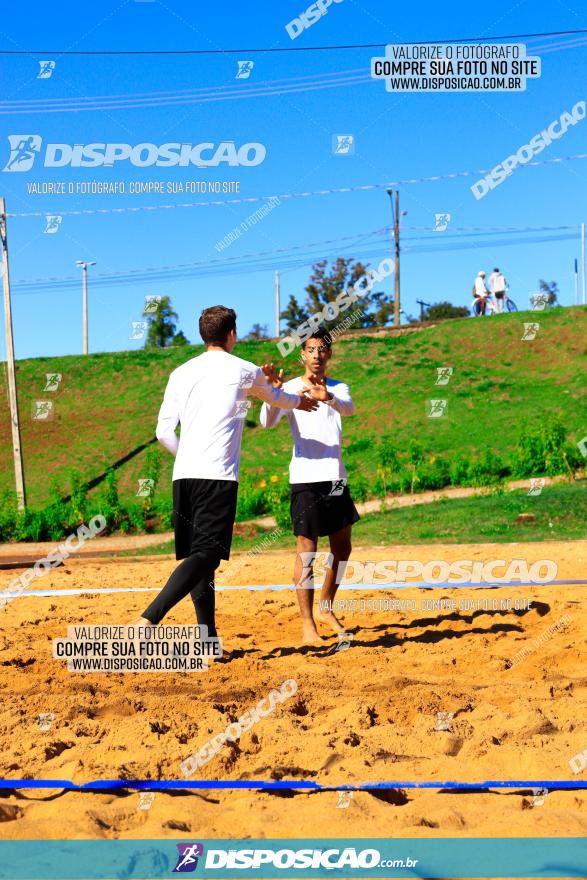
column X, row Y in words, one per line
column 107, row 404
column 559, row 516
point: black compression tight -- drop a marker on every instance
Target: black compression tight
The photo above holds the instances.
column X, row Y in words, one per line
column 194, row 575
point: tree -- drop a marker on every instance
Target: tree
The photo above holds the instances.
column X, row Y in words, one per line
column 257, row 331
column 439, row 311
column 325, row 285
column 294, row 314
column 548, row 292
column 180, row 339
column 161, row 332
column 383, row 307
column 161, row 322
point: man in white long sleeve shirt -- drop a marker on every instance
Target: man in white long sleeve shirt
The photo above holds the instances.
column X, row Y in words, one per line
column 321, row 504
column 480, row 292
column 497, row 285
column 208, row 396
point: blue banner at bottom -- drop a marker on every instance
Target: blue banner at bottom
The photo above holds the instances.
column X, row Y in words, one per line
column 276, row 858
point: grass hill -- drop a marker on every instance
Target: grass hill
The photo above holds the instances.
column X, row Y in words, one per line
column 106, row 407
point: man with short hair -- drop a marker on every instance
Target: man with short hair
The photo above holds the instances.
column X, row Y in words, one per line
column 321, row 504
column 497, row 285
column 208, row 396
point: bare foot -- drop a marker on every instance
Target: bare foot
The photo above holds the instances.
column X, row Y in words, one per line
column 142, row 621
column 331, row 620
column 309, row 633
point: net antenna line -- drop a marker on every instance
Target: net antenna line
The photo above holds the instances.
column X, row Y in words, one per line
column 281, row 784
column 274, row 49
column 295, row 195
column 401, row 585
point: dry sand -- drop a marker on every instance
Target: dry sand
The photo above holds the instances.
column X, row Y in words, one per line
column 365, row 714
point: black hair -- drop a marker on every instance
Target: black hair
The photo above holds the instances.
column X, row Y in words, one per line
column 320, row 333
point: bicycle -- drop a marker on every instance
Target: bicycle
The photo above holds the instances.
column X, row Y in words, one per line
column 491, row 305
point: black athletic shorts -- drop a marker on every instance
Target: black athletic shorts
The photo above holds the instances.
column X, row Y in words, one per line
column 203, row 516
column 319, row 509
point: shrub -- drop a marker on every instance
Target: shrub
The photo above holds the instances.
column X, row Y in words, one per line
column 541, row 449
column 458, row 469
column 359, row 486
column 433, row 474
column 485, row 469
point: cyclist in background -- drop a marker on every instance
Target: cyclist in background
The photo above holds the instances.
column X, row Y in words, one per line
column 480, row 292
column 497, row 286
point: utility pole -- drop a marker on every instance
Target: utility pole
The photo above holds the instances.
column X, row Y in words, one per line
column 422, row 304
column 12, row 393
column 84, row 266
column 576, row 284
column 583, row 263
column 396, row 298
column 277, row 309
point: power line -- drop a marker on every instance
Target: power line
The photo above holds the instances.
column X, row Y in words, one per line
column 297, row 195
column 274, row 49
column 265, row 260
column 224, row 92
column 242, row 92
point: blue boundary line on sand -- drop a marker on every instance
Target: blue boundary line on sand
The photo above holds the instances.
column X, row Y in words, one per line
column 419, row 585
column 256, row 784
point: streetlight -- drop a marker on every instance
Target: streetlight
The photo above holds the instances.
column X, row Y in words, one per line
column 81, row 264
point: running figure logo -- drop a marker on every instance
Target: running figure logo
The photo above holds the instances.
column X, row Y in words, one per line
column 151, row 304
column 314, row 565
column 52, row 223
column 42, row 410
column 344, row 799
column 46, row 71
column 244, row 69
column 343, row 144
column 441, row 222
column 443, row 720
column 247, row 380
column 53, row 381
column 23, row 151
column 146, row 487
column 530, row 331
column 139, row 328
column 436, row 408
column 188, row 855
column 344, row 641
column 443, row 375
column 241, row 409
column 536, row 485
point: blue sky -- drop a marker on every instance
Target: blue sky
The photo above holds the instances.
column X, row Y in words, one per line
column 397, row 136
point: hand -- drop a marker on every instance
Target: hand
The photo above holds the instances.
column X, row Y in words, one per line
column 318, row 389
column 273, row 377
column 307, row 403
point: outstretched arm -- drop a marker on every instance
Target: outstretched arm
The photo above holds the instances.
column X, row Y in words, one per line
column 339, row 397
column 169, row 419
column 274, row 395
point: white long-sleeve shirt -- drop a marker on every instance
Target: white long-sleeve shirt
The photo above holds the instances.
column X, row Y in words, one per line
column 317, row 454
column 480, row 288
column 497, row 282
column 208, row 396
